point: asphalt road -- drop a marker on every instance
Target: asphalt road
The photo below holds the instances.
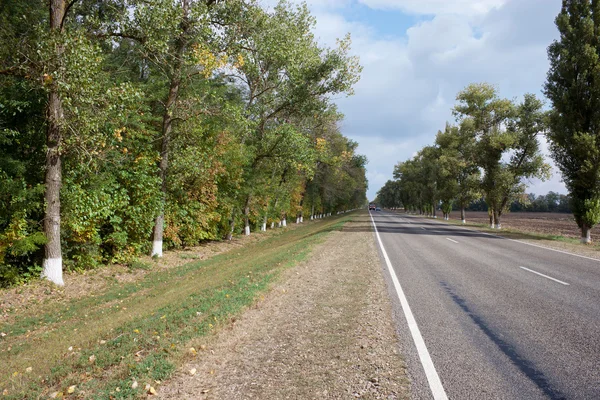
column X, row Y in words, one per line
column 493, row 326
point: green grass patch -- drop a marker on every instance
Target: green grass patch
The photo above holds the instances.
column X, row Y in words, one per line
column 140, row 331
column 137, row 264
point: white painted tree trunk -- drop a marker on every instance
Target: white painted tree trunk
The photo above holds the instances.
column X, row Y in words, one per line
column 284, row 222
column 157, row 248
column 586, row 236
column 498, row 226
column 464, row 221
column 272, row 225
column 311, row 217
column 279, row 224
column 53, row 270
column 301, row 219
column 247, row 230
column 263, row 227
column 297, row 220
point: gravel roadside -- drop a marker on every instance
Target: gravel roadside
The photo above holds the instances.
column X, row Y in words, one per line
column 325, row 330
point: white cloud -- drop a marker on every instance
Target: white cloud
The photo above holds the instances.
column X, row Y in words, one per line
column 410, row 80
column 437, row 7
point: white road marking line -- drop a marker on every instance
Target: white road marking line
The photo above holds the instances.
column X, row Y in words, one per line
column 525, row 243
column 422, row 228
column 453, row 241
column 549, row 248
column 435, row 384
column 545, row 276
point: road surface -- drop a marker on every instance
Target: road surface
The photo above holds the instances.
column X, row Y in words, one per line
column 498, row 319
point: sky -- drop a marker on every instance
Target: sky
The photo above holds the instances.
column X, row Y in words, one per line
column 418, row 54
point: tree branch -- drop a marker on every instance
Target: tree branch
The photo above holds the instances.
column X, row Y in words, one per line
column 62, row 22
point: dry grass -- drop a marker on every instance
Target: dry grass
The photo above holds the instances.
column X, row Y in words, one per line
column 137, row 328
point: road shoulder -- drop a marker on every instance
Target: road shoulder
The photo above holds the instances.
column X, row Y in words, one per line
column 325, row 330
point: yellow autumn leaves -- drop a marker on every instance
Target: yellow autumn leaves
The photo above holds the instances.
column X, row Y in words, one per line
column 209, row 61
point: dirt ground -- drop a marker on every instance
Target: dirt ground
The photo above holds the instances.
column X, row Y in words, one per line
column 555, row 224
column 324, row 331
column 16, row 300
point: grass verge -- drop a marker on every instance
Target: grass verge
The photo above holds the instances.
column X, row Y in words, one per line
column 112, row 345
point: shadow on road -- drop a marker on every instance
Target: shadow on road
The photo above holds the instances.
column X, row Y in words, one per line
column 440, row 228
column 527, row 367
column 404, row 227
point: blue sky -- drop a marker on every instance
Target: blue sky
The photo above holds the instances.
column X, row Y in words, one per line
column 417, row 54
column 385, row 23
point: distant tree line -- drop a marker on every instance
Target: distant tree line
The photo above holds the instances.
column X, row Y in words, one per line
column 488, row 154
column 493, row 149
column 551, row 202
column 132, row 126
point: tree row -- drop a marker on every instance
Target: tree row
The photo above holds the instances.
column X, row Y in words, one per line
column 494, row 150
column 131, row 126
column 489, row 153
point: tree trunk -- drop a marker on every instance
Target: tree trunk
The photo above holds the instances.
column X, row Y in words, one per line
column 586, row 235
column 433, row 213
column 264, row 223
column 231, row 226
column 462, row 215
column 247, row 217
column 491, row 215
column 167, row 126
column 275, row 210
column 159, row 223
column 497, row 220
column 52, row 264
column 299, row 217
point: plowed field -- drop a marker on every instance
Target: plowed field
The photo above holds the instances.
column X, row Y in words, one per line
column 545, row 223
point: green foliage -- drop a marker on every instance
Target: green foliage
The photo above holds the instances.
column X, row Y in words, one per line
column 250, row 121
column 492, row 151
column 573, row 87
column 21, row 191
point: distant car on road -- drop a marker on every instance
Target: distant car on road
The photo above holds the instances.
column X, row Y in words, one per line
column 372, row 207
column 377, row 209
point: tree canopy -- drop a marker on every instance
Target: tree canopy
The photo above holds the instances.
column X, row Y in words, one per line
column 131, row 126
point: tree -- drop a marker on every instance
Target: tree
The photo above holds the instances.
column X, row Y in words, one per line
column 573, row 87
column 526, row 160
column 488, row 114
column 411, row 182
column 56, row 56
column 285, row 77
column 121, row 118
column 460, row 176
column 389, row 196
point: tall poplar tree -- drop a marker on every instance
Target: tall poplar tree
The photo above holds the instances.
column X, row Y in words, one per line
column 573, row 87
